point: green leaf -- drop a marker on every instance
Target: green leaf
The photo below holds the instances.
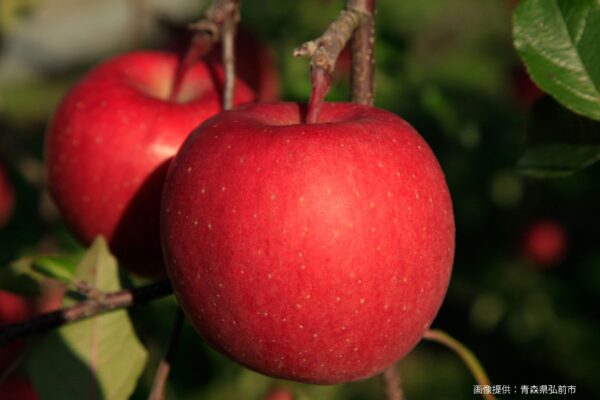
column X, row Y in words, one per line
column 56, row 267
column 558, row 41
column 97, row 358
column 21, row 278
column 557, row 160
column 559, row 142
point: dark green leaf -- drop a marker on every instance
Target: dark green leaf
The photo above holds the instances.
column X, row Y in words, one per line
column 558, row 40
column 559, row 141
column 99, row 358
column 19, row 277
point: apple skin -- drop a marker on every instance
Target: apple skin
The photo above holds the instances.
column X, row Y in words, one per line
column 7, row 198
column 109, row 145
column 319, row 253
column 544, row 242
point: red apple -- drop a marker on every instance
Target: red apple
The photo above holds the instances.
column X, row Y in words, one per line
column 544, row 242
column 7, row 198
column 17, row 388
column 279, row 394
column 319, row 253
column 110, row 143
column 13, row 309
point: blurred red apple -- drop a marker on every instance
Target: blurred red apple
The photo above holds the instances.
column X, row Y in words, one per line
column 279, row 394
column 13, row 309
column 111, row 140
column 7, row 198
column 525, row 90
column 544, row 242
column 319, row 253
column 16, row 387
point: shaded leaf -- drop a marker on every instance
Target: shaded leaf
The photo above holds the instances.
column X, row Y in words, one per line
column 21, row 278
column 55, row 267
column 559, row 141
column 97, row 358
column 558, row 40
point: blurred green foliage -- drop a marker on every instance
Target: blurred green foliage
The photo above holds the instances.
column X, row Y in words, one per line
column 447, row 67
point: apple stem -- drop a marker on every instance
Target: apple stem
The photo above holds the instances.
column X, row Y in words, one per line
column 363, row 53
column 465, row 354
column 324, row 52
column 393, row 386
column 85, row 309
column 164, row 368
column 208, row 31
column 201, row 43
column 228, row 40
column 321, row 82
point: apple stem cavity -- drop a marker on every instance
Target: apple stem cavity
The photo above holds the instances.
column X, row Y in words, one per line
column 465, row 354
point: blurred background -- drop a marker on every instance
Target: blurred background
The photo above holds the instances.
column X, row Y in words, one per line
column 526, row 283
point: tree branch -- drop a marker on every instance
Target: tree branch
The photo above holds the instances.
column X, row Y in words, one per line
column 85, row 309
column 207, row 32
column 324, row 52
column 363, row 53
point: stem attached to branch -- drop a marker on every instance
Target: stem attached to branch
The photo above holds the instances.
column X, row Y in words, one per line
column 228, row 40
column 164, row 368
column 324, row 52
column 85, row 309
column 465, row 354
column 208, row 31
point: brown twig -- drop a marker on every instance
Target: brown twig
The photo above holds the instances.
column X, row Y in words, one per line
column 164, row 368
column 363, row 53
column 85, row 309
column 208, row 31
column 324, row 52
column 228, row 38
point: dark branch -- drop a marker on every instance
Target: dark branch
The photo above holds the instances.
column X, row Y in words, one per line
column 85, row 309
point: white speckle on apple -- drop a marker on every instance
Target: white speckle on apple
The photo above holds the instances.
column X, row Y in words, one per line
column 301, row 199
column 203, row 190
column 284, row 319
column 301, row 326
column 414, row 176
column 258, row 169
column 417, row 195
column 307, row 296
column 298, row 305
column 269, row 276
column 273, row 197
column 404, row 308
column 338, row 299
column 300, row 255
column 189, row 169
column 362, row 301
column 373, row 229
column 209, row 226
column 195, row 222
column 302, row 267
column 371, row 205
column 255, row 216
column 241, row 159
column 397, row 173
column 223, row 188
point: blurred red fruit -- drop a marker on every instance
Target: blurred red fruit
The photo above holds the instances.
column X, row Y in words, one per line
column 525, row 90
column 13, row 309
column 7, row 198
column 545, row 242
column 17, row 388
column 279, row 394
